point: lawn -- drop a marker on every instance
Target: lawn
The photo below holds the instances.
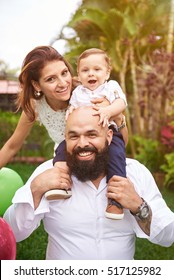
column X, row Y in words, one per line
column 33, row 248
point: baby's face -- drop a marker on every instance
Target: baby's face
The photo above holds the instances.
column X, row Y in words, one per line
column 93, row 71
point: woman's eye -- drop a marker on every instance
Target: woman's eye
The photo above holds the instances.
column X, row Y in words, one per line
column 64, row 73
column 51, row 79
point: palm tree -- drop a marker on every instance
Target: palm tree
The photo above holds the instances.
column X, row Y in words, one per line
column 127, row 30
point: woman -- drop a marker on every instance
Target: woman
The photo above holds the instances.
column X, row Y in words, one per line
column 46, row 86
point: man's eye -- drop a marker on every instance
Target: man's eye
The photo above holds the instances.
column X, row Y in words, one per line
column 92, row 135
column 73, row 137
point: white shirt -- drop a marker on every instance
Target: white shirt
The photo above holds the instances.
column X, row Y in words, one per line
column 82, row 96
column 77, row 227
column 54, row 121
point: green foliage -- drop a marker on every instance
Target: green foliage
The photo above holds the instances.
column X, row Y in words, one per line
column 38, row 143
column 8, row 123
column 168, row 168
column 24, row 170
column 149, row 153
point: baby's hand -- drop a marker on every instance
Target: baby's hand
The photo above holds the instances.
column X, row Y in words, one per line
column 104, row 115
column 119, row 119
column 100, row 102
column 69, row 111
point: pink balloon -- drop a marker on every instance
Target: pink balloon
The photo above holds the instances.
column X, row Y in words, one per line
column 7, row 242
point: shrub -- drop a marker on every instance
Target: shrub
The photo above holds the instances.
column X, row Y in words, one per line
column 149, row 152
column 38, row 143
column 168, row 168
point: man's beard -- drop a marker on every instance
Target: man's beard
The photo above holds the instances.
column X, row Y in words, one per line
column 86, row 170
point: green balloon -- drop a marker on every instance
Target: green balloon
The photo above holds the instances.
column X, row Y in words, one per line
column 10, row 181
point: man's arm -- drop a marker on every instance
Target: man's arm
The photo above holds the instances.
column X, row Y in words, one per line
column 161, row 219
column 53, row 178
column 143, row 216
column 122, row 190
column 28, row 207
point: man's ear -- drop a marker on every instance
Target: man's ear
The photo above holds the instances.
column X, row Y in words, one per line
column 109, row 136
column 35, row 85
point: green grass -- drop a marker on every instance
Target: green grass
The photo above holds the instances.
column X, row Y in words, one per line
column 34, row 247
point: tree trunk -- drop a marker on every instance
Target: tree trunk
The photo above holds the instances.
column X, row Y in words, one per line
column 136, row 107
column 170, row 29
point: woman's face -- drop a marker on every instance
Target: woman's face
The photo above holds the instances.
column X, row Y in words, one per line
column 55, row 82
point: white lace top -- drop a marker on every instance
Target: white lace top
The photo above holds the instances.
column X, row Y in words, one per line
column 54, row 121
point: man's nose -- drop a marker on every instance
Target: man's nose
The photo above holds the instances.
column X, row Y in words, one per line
column 83, row 142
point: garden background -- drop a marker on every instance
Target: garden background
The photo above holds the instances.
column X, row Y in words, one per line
column 138, row 37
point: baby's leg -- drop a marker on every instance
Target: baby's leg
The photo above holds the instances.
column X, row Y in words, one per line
column 59, row 162
column 116, row 166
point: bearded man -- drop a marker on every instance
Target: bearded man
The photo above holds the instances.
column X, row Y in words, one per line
column 77, row 227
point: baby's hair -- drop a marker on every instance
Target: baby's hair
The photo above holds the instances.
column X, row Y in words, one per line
column 91, row 51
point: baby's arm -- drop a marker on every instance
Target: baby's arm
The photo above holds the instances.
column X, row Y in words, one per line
column 111, row 111
column 122, row 127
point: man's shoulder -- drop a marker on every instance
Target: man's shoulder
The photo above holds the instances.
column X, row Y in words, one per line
column 45, row 165
column 133, row 163
column 136, row 167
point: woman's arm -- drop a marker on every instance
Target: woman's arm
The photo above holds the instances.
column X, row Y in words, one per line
column 14, row 143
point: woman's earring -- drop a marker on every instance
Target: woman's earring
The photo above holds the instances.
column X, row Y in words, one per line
column 37, row 93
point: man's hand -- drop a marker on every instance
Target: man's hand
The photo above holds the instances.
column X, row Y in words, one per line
column 122, row 190
column 53, row 178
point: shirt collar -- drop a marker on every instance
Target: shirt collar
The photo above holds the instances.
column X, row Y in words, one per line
column 97, row 90
column 101, row 187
